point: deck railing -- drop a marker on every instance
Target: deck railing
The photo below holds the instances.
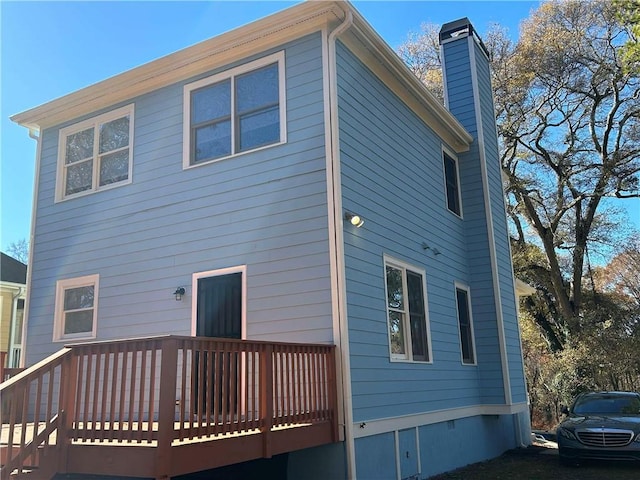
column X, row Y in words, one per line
column 163, row 392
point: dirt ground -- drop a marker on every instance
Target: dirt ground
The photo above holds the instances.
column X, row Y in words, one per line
column 540, row 462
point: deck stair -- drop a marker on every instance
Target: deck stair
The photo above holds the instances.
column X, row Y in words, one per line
column 165, row 406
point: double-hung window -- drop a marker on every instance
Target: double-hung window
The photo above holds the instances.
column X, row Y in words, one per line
column 452, row 184
column 408, row 323
column 76, row 308
column 465, row 325
column 95, row 154
column 237, row 111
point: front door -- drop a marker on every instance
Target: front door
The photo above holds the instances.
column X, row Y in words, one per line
column 218, row 314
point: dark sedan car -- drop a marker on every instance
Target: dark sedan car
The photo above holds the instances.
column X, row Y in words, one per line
column 601, row 425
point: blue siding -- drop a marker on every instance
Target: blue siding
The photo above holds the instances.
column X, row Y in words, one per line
column 503, row 252
column 459, row 85
column 448, row 445
column 376, row 457
column 443, row 446
column 392, row 175
column 265, row 209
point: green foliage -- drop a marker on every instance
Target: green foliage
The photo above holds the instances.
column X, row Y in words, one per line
column 628, row 13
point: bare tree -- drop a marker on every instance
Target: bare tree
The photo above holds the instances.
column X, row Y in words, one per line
column 568, row 116
column 19, row 250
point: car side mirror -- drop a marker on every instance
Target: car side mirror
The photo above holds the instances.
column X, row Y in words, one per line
column 564, row 410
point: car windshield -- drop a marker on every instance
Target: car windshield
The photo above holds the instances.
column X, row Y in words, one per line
column 622, row 404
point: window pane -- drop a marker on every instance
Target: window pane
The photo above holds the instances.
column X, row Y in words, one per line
column 211, row 103
column 77, row 298
column 79, row 177
column 451, row 178
column 464, row 321
column 395, row 297
column 259, row 128
column 79, row 146
column 114, row 167
column 114, row 134
column 257, row 89
column 78, row 322
column 212, row 141
column 396, row 331
column 417, row 316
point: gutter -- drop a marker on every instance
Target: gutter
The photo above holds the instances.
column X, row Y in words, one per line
column 334, row 194
column 35, row 134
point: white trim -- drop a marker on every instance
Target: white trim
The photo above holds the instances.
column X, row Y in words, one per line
column 506, row 379
column 224, row 49
column 94, row 123
column 404, row 266
column 367, row 45
column 456, row 161
column 396, row 441
column 467, row 290
column 418, row 451
column 217, row 273
column 58, row 323
column 392, row 424
column 270, row 32
column 231, row 74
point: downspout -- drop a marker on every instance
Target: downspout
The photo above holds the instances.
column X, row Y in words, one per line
column 335, row 197
column 33, row 133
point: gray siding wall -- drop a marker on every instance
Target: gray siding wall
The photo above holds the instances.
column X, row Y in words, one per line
column 392, row 175
column 265, row 209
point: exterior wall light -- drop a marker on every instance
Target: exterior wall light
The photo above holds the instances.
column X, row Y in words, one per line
column 355, row 220
column 179, row 293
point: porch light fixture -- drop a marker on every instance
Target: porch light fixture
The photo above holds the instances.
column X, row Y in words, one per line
column 179, row 293
column 355, row 220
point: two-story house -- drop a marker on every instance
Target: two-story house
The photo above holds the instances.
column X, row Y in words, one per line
column 289, row 181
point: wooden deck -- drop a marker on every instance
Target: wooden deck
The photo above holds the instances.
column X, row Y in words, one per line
column 166, row 406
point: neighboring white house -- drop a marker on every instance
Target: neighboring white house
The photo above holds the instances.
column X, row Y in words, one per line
column 13, row 291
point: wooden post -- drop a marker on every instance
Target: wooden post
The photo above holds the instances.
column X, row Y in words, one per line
column 266, row 398
column 67, row 407
column 166, row 407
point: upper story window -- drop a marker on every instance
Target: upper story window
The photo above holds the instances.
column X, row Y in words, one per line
column 76, row 311
column 454, row 204
column 236, row 111
column 465, row 325
column 406, row 312
column 95, row 154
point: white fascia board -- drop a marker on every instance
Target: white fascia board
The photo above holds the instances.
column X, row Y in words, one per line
column 367, row 45
column 221, row 50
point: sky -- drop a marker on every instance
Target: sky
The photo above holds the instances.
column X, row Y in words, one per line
column 49, row 49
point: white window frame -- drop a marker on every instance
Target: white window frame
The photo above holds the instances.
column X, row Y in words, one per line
column 408, row 355
column 95, row 122
column 61, row 287
column 450, row 154
column 467, row 290
column 231, row 74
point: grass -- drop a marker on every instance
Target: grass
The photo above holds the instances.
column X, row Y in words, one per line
column 539, row 462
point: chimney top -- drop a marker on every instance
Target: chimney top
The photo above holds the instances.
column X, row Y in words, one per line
column 461, row 27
